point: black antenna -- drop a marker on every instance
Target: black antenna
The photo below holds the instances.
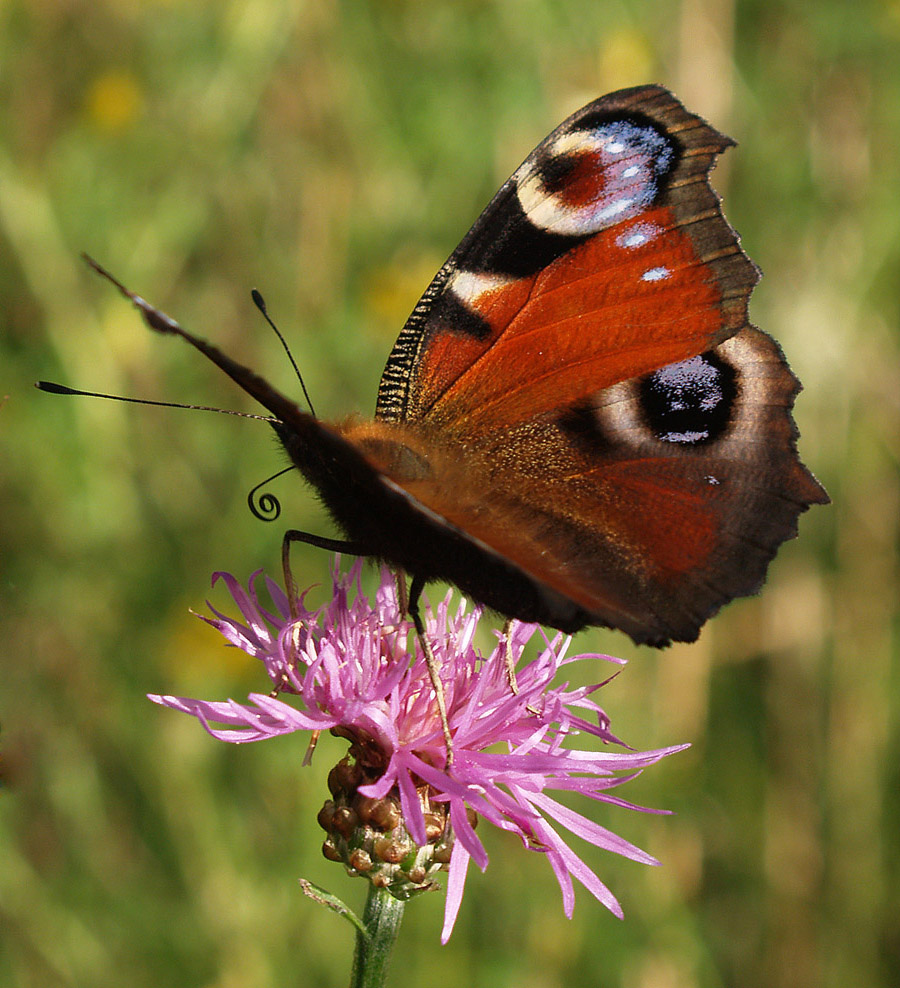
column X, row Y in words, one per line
column 269, row 507
column 260, row 304
column 62, row 389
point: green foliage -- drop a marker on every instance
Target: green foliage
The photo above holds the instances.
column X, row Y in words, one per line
column 332, row 154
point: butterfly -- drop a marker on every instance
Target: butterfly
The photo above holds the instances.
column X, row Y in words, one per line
column 577, row 425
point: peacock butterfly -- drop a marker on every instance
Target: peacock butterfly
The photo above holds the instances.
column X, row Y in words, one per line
column 577, row 425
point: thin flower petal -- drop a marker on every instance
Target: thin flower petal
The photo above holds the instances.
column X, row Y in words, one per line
column 590, row 831
column 456, row 884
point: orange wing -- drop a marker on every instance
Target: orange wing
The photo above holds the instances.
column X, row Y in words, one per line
column 604, row 257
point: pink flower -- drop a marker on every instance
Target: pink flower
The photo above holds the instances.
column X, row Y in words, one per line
column 348, row 665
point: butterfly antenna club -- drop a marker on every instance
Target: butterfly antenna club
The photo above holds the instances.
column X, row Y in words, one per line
column 260, row 304
column 249, row 381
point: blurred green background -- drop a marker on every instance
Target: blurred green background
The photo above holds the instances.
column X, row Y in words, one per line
column 332, row 154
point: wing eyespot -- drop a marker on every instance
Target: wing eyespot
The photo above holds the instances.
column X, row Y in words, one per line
column 689, row 402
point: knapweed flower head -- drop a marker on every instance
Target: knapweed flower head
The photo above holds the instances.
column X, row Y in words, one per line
column 399, row 812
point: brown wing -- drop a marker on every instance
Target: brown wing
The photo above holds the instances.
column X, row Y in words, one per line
column 647, row 507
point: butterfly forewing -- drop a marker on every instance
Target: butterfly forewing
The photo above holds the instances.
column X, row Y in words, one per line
column 604, row 257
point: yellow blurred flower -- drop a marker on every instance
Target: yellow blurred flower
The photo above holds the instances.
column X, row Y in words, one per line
column 190, row 654
column 625, row 59
column 113, row 100
column 393, row 289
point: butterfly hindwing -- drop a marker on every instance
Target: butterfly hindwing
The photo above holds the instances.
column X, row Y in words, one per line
column 649, row 525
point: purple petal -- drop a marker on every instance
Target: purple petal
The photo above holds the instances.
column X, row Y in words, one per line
column 348, row 664
column 456, row 883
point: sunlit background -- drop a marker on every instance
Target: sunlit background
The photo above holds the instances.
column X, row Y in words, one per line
column 332, row 154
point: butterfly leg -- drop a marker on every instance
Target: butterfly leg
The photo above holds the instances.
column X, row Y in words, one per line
column 508, row 657
column 510, row 663
column 320, row 542
column 415, row 592
column 402, row 591
column 290, row 587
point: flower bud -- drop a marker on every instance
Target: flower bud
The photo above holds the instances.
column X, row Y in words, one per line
column 370, row 836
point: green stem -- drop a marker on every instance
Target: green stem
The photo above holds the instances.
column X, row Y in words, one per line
column 382, row 921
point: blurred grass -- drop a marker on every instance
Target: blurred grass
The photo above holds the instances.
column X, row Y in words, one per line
column 332, row 154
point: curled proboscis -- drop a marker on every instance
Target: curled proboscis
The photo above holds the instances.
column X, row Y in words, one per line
column 266, row 506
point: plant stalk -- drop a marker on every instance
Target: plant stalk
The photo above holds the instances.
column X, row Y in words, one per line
column 381, row 919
